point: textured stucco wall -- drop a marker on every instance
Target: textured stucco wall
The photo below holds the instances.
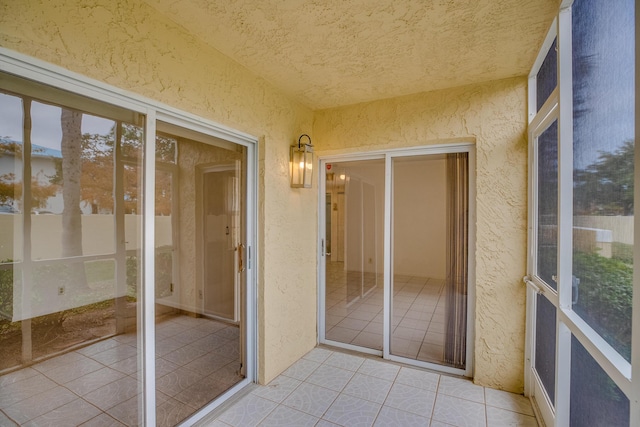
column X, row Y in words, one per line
column 131, row 46
column 492, row 114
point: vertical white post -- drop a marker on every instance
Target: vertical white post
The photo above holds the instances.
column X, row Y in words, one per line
column 565, row 217
column 322, row 249
column 148, row 276
column 634, row 399
column 388, row 269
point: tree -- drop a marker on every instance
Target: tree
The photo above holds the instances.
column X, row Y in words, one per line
column 11, row 187
column 71, row 147
column 606, row 186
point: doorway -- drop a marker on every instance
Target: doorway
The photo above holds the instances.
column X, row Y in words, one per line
column 396, row 280
column 221, row 223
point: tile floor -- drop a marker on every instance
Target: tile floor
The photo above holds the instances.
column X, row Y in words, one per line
column 329, row 388
column 196, row 360
column 354, row 313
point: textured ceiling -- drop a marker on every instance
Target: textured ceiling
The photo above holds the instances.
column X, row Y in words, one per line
column 329, row 53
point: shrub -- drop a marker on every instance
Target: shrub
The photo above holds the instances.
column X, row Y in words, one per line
column 605, row 297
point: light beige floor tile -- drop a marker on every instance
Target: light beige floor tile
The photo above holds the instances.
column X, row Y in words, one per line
column 391, row 417
column 411, row 399
column 497, row 417
column 311, row 399
column 379, row 369
column 301, row 369
column 459, row 412
column 368, row 388
column 249, row 411
column 330, row 377
column 418, row 378
column 278, row 389
column 351, row 411
column 285, row 416
column 344, row 361
column 509, row 401
column 39, row 404
column 462, row 388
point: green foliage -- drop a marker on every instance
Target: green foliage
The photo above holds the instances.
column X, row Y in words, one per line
column 6, row 291
column 606, row 186
column 622, row 252
column 605, row 297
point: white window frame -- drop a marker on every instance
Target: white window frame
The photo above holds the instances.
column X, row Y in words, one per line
column 33, row 69
column 560, row 106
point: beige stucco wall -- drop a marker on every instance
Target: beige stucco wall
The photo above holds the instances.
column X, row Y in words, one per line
column 134, row 48
column 131, row 46
column 492, row 114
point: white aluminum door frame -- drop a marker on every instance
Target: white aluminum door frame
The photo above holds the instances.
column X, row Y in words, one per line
column 40, row 71
column 388, row 156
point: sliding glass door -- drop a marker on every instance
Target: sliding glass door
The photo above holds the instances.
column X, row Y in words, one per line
column 396, row 265
column 125, row 277
column 354, row 264
column 429, row 237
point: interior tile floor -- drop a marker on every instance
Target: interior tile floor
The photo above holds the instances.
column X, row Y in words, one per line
column 333, row 388
column 196, row 360
column 354, row 304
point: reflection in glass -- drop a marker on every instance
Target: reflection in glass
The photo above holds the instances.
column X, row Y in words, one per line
column 354, row 284
column 595, row 399
column 547, row 217
column 65, row 308
column 11, row 178
column 603, row 205
column 71, row 183
column 199, row 286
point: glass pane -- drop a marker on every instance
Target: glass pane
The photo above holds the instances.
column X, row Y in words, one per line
column 603, row 205
column 595, row 399
column 547, row 217
column 354, row 282
column 68, row 325
column 545, row 362
column 72, row 165
column 429, row 258
column 546, row 80
column 11, row 118
column 200, row 317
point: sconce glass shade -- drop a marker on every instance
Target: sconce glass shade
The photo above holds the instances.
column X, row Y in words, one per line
column 301, row 166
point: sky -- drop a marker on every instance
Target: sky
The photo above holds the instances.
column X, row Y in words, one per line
column 46, row 130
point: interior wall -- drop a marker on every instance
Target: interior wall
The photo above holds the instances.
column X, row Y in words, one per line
column 493, row 115
column 420, row 222
column 131, row 46
column 372, row 175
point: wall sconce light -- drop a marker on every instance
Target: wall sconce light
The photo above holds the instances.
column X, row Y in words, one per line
column 301, row 163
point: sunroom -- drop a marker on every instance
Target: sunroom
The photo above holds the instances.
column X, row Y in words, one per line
column 467, row 213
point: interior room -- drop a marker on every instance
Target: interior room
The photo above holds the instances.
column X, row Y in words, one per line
column 366, row 212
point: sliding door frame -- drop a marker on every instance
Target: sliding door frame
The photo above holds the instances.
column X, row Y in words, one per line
column 39, row 71
column 388, row 156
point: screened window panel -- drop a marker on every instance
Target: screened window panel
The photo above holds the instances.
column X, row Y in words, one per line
column 545, row 353
column 547, row 77
column 547, row 215
column 603, row 146
column 595, row 398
